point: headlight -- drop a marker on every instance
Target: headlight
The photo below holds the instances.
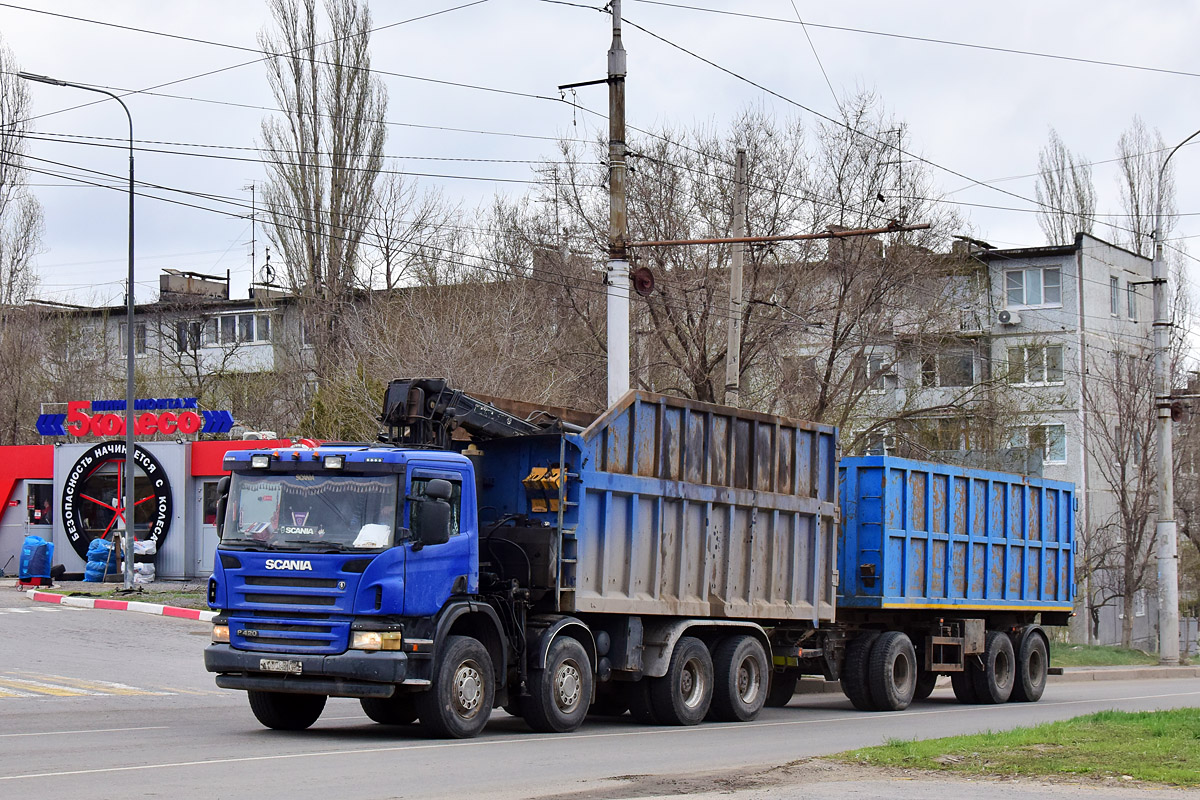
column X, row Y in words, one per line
column 375, row 640
column 335, row 462
column 261, row 461
column 220, row 634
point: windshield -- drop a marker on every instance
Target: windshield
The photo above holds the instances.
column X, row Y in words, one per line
column 311, row 512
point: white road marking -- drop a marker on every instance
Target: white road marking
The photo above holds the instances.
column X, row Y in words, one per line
column 90, row 730
column 548, row 738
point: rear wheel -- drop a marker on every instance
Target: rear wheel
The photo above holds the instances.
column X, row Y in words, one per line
column 1033, row 662
column 783, row 687
column 926, row 681
column 560, row 694
column 284, row 711
column 892, row 671
column 612, row 699
column 399, row 709
column 683, row 695
column 854, row 671
column 740, row 675
column 994, row 680
column 640, row 706
column 459, row 702
column 964, row 684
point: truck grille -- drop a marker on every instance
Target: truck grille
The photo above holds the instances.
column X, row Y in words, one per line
column 310, row 636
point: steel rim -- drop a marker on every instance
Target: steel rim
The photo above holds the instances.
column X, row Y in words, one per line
column 902, row 672
column 691, row 683
column 1037, row 667
column 568, row 684
column 468, row 689
column 1003, row 669
column 749, row 680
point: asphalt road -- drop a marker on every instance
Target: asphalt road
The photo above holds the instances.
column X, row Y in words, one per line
column 104, row 704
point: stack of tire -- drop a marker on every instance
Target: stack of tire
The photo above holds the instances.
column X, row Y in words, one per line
column 101, row 561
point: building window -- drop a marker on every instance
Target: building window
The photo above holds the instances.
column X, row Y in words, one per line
column 264, row 328
column 1035, row 286
column 1131, row 300
column 1114, row 296
column 1139, row 603
column 228, row 329
column 1037, row 365
column 1049, row 440
column 877, row 371
column 954, row 367
column 139, row 338
column 187, row 335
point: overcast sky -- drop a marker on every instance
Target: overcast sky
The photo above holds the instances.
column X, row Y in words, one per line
column 978, row 112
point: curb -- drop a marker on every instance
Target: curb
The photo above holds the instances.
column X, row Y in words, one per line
column 121, row 605
column 1081, row 674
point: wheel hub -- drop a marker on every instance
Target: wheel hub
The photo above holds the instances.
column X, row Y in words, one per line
column 468, row 688
column 567, row 685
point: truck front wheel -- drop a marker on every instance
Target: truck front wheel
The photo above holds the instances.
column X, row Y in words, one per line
column 740, row 675
column 459, row 702
column 399, row 709
column 284, row 711
column 560, row 694
column 683, row 695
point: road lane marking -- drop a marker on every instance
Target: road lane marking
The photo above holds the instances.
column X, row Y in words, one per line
column 12, row 693
column 98, row 687
column 41, row 687
column 520, row 739
column 89, row 730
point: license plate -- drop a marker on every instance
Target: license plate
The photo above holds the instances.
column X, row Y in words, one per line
column 276, row 665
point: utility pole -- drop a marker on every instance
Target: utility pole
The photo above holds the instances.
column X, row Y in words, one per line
column 618, row 223
column 733, row 350
column 1165, row 529
column 253, row 231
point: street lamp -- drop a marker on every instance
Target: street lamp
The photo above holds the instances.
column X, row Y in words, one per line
column 127, row 520
column 1164, row 531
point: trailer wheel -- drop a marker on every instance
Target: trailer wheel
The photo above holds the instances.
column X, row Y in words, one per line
column 963, row 684
column 399, row 709
column 683, row 695
column 640, row 706
column 854, row 671
column 284, row 711
column 560, row 694
column 783, row 687
column 740, row 675
column 926, row 681
column 892, row 671
column 994, row 680
column 459, row 702
column 1033, row 662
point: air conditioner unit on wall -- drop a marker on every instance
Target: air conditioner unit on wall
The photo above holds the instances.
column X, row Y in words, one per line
column 1007, row 317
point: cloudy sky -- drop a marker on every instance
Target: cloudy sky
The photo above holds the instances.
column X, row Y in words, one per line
column 461, row 90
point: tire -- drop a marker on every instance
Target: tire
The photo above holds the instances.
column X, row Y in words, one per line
column 926, row 681
column 854, row 671
column 994, row 681
column 683, row 695
column 782, row 688
column 1033, row 662
column 892, row 671
column 399, row 709
column 963, row 684
column 284, row 711
column 560, row 694
column 640, row 706
column 612, row 699
column 459, row 702
column 741, row 673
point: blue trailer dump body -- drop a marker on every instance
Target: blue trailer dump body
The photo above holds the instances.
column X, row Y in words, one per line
column 929, row 536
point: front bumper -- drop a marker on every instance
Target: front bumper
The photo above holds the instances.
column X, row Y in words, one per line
column 350, row 674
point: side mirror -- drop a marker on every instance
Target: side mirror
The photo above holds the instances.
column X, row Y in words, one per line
column 430, row 521
column 222, row 502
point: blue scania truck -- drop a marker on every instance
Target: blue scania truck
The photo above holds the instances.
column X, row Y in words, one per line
column 673, row 559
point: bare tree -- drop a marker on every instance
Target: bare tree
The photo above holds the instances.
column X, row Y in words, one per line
column 407, row 234
column 1118, row 555
column 323, row 156
column 1064, row 191
column 1140, row 154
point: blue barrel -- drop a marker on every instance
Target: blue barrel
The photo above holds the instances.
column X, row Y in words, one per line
column 36, row 555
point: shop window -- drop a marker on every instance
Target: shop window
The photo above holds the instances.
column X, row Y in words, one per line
column 39, row 500
column 208, row 502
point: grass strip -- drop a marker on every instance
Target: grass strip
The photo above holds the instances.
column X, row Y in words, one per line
column 1093, row 655
column 1151, row 746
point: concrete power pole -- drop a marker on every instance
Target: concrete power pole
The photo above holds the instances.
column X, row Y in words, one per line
column 618, row 223
column 733, row 350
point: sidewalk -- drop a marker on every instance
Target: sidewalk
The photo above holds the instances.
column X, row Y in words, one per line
column 138, row 601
